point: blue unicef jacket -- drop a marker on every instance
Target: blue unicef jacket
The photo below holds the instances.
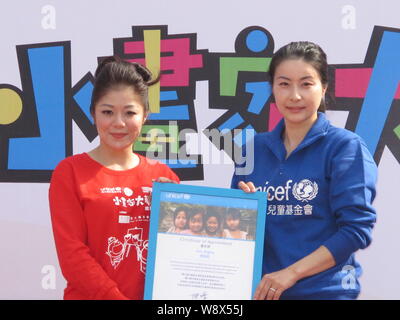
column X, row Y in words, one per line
column 320, row 195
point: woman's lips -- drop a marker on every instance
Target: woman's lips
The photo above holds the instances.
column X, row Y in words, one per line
column 295, row 109
column 118, row 135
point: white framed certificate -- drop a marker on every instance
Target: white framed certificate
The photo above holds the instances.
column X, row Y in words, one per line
column 204, row 243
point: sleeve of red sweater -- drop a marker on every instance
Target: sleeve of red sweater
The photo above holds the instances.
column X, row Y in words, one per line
column 79, row 268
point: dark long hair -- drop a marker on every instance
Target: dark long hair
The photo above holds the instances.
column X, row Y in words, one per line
column 234, row 213
column 307, row 51
column 113, row 71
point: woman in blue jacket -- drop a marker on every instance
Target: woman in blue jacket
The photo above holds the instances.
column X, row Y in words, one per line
column 320, row 182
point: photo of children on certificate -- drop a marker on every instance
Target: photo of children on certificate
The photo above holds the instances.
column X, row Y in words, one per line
column 208, row 221
column 205, row 245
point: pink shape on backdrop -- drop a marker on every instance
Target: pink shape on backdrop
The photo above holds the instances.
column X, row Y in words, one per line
column 180, row 62
column 274, row 117
column 353, row 83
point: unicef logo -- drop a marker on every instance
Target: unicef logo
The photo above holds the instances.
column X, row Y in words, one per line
column 305, row 190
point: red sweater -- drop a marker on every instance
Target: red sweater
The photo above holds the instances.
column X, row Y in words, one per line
column 100, row 221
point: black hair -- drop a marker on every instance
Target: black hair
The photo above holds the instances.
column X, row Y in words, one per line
column 234, row 213
column 212, row 213
column 113, row 71
column 195, row 211
column 307, row 51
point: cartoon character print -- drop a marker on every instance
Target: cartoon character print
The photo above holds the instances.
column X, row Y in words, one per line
column 118, row 251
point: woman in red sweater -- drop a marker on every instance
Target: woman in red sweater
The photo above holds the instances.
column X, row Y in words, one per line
column 100, row 200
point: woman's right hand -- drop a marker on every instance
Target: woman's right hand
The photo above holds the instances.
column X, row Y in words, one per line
column 247, row 187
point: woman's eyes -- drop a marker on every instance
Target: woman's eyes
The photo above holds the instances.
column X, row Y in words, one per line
column 304, row 84
column 109, row 113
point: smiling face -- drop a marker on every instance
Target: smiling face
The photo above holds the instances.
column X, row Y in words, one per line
column 119, row 116
column 298, row 91
column 196, row 223
column 212, row 225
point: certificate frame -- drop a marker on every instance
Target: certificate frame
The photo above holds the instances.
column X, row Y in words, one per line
column 256, row 204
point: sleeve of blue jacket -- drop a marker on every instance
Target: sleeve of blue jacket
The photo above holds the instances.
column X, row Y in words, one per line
column 353, row 175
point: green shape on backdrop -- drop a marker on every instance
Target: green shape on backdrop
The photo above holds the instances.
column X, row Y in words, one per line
column 230, row 67
column 153, row 137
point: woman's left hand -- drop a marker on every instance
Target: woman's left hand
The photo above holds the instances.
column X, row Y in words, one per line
column 273, row 284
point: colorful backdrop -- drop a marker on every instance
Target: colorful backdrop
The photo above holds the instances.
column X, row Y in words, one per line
column 213, row 56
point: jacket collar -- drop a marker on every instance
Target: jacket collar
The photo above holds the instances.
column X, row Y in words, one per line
column 317, row 131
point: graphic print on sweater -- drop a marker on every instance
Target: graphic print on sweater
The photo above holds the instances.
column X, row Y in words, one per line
column 304, row 191
column 133, row 209
column 118, row 251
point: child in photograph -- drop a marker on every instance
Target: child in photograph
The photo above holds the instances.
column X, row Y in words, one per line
column 196, row 222
column 232, row 221
column 180, row 220
column 213, row 224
